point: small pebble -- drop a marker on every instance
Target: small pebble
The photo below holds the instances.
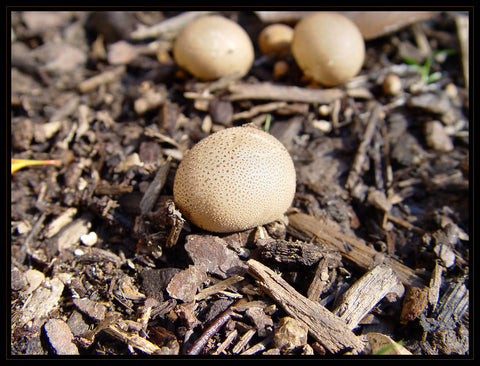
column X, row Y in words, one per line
column 89, row 239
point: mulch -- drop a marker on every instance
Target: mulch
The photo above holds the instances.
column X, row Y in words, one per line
column 375, row 246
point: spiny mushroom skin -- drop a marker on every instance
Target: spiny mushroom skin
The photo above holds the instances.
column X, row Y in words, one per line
column 213, row 46
column 328, row 47
column 235, row 179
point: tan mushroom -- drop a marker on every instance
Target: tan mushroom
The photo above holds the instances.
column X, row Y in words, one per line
column 235, row 179
column 328, row 47
column 213, row 46
column 275, row 39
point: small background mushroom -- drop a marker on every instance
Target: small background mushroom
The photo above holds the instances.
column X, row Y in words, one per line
column 328, row 47
column 213, row 46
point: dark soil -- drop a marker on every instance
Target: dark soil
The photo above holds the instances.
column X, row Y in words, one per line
column 103, row 264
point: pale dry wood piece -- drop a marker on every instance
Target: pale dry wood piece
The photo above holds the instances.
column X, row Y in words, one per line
column 103, row 78
column 60, row 337
column 364, row 294
column 319, row 280
column 228, row 340
column 42, row 301
column 220, row 286
column 307, row 228
column 60, row 222
column 168, row 27
column 269, row 91
column 260, row 346
column 461, row 22
column 243, row 341
column 434, row 286
column 361, row 156
column 132, row 339
column 324, row 326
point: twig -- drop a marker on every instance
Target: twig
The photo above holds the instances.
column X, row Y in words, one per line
column 361, row 157
column 169, row 26
column 212, row 329
column 324, row 326
column 269, row 91
column 103, row 78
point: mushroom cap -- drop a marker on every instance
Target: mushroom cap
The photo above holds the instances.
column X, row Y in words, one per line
column 213, row 46
column 235, row 179
column 275, row 39
column 328, row 47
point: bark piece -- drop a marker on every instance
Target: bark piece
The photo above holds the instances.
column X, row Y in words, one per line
column 414, row 303
column 212, row 252
column 306, row 227
column 91, row 308
column 283, row 251
column 324, row 326
column 364, row 294
column 185, row 283
column 60, row 337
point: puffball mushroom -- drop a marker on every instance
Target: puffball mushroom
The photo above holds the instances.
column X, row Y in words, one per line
column 213, row 46
column 328, row 47
column 275, row 39
column 235, row 179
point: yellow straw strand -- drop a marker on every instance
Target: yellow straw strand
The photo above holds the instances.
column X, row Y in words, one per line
column 18, row 164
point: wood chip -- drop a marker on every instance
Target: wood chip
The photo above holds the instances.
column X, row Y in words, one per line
column 132, row 339
column 414, row 303
column 60, row 337
column 324, row 326
column 364, row 294
column 183, row 286
column 42, row 301
column 212, row 253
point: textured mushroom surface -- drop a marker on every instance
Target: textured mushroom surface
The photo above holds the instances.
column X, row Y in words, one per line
column 235, row 179
column 328, row 47
column 213, row 46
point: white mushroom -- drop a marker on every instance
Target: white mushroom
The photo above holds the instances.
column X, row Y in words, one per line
column 235, row 179
column 213, row 46
column 328, row 47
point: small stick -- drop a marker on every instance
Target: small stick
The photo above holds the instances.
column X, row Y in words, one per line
column 212, row 329
column 103, row 78
column 361, row 156
column 269, row 91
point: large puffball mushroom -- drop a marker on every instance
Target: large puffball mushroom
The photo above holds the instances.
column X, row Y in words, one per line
column 235, row 179
column 213, row 46
column 275, row 39
column 328, row 47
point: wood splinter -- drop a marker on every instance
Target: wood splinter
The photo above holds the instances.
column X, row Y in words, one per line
column 324, row 326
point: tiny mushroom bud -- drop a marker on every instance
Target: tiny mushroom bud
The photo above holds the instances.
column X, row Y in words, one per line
column 328, row 48
column 235, row 179
column 392, row 85
column 275, row 39
column 213, row 46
